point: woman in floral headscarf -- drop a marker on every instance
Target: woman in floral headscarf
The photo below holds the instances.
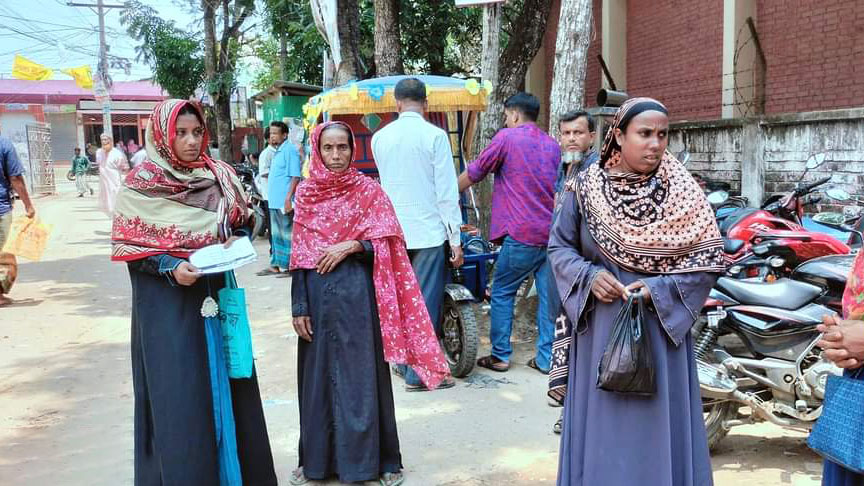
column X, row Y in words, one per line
column 193, row 426
column 635, row 222
column 843, row 343
column 356, row 304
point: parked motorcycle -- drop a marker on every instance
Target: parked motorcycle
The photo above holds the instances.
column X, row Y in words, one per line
column 755, row 347
column 246, row 174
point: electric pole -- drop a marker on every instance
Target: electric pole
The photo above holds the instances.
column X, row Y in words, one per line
column 102, row 83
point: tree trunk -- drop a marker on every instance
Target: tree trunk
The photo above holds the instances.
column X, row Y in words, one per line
column 210, row 52
column 348, row 23
column 571, row 60
column 527, row 36
column 388, row 41
column 490, row 120
column 283, row 57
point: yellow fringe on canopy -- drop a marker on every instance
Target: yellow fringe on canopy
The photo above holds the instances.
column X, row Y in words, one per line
column 343, row 102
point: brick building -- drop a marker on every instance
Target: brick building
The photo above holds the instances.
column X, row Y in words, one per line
column 700, row 58
column 753, row 87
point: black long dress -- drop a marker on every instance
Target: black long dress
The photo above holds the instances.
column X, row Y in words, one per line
column 347, row 416
column 175, row 438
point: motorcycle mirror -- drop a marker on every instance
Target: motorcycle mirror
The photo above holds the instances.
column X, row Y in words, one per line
column 815, row 161
column 838, row 194
column 718, row 197
column 684, row 157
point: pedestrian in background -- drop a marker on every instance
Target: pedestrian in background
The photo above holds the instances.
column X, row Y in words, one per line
column 80, row 165
column 113, row 167
column 275, row 137
column 636, row 223
column 139, row 155
column 415, row 165
column 576, row 137
column 193, row 425
column 355, row 303
column 11, row 179
column 285, row 174
column 524, row 160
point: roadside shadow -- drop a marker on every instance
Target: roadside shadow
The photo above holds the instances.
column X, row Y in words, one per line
column 68, row 417
column 24, row 303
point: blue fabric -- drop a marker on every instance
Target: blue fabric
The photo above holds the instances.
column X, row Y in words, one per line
column 167, row 264
column 430, row 267
column 515, row 263
column 590, row 157
column 223, row 411
column 280, row 238
column 839, row 433
column 10, row 166
column 286, row 164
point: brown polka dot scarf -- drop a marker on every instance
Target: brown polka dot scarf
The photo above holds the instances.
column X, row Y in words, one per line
column 656, row 223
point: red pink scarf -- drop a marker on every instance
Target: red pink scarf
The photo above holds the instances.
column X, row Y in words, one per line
column 168, row 206
column 334, row 207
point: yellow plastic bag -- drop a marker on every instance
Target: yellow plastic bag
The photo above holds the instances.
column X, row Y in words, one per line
column 27, row 238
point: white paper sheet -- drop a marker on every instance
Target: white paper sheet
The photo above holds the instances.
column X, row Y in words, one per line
column 217, row 258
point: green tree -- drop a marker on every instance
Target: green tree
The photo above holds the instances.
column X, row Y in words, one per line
column 174, row 54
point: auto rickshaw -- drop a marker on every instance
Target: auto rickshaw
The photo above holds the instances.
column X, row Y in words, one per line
column 453, row 105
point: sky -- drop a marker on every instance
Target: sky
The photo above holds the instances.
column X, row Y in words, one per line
column 59, row 36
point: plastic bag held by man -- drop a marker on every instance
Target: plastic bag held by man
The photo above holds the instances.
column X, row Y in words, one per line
column 28, row 238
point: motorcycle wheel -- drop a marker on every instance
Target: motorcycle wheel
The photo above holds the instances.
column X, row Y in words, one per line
column 460, row 340
column 715, row 413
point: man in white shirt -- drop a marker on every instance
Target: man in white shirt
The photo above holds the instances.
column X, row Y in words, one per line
column 415, row 163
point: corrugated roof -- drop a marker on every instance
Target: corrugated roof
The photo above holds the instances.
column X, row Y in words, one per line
column 67, row 92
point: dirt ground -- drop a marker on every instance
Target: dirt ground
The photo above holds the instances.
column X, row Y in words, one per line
column 66, row 389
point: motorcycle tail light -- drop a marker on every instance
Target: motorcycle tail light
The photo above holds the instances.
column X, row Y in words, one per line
column 752, row 272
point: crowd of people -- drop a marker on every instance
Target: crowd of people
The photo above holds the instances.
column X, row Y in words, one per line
column 368, row 262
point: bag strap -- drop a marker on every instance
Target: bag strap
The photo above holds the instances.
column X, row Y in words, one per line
column 231, row 280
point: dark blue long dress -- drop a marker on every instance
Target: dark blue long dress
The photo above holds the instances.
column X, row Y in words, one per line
column 611, row 439
column 347, row 415
column 175, row 438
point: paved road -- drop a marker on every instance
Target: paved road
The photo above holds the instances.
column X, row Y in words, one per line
column 66, row 390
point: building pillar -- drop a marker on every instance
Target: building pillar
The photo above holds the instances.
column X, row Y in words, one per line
column 753, row 163
column 613, row 45
column 739, row 79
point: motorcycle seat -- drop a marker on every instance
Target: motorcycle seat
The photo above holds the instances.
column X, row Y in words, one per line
column 733, row 218
column 783, row 294
column 731, row 246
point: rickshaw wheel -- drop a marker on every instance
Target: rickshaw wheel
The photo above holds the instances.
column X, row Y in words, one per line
column 460, row 338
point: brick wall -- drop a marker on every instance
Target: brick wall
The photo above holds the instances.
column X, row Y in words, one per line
column 814, row 50
column 675, row 54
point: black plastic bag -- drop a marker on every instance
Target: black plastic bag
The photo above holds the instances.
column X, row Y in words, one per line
column 627, row 365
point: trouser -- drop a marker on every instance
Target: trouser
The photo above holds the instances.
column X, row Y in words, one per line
column 430, row 267
column 280, row 238
column 8, row 264
column 81, row 183
column 516, row 262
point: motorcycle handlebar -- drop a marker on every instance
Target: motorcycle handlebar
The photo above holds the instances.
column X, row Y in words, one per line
column 809, row 187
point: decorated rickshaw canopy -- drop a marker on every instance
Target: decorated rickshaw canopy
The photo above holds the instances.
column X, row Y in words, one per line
column 443, row 94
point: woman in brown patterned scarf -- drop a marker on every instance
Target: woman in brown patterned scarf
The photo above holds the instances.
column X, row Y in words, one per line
column 636, row 222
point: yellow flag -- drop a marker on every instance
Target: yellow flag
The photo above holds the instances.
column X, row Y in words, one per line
column 26, row 69
column 82, row 75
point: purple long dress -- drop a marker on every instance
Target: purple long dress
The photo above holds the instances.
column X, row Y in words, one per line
column 613, row 439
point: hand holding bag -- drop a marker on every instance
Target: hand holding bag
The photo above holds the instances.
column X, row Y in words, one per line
column 627, row 365
column 236, row 334
column 839, row 433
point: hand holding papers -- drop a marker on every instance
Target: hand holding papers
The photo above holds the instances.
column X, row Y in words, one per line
column 217, row 258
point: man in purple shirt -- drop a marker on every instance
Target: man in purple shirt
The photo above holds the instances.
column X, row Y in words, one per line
column 525, row 162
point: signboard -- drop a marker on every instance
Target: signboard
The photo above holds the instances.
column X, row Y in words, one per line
column 474, row 3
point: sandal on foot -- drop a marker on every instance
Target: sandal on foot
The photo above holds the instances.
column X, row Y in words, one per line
column 266, row 272
column 532, row 363
column 447, row 383
column 398, row 370
column 559, row 424
column 492, row 363
column 298, row 478
column 391, row 479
